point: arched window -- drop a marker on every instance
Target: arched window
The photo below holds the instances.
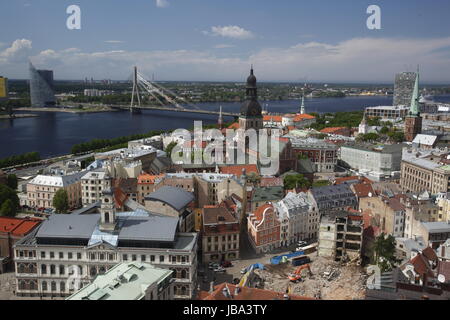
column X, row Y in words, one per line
column 33, row 285
column 102, row 270
column 22, row 285
column 106, row 217
column 44, row 286
column 93, row 271
column 44, row 269
column 21, row 268
column 32, row 268
column 52, row 269
column 61, row 269
column 53, row 286
column 62, row 286
column 183, row 274
column 183, row 291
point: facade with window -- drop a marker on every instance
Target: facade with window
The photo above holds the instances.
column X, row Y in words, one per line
column 68, row 251
column 264, row 229
column 220, row 235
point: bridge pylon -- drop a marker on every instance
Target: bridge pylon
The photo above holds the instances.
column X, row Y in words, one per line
column 135, row 92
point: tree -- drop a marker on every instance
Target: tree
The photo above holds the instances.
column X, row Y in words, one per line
column 170, row 147
column 384, row 252
column 384, row 130
column 295, row 181
column 12, row 181
column 61, row 201
column 7, row 209
column 6, row 193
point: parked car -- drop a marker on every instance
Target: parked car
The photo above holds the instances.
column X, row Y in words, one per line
column 212, row 266
column 226, row 264
column 219, row 269
column 301, row 243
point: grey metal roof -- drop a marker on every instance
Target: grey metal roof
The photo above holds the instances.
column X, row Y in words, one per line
column 69, row 226
column 330, row 190
column 153, row 227
column 175, row 197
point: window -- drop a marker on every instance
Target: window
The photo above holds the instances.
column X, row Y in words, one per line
column 61, row 255
column 125, row 257
column 110, row 257
column 43, row 254
column 102, row 256
column 43, row 269
column 79, row 255
column 44, row 286
column 62, row 286
column 133, row 257
column 61, row 269
column 143, row 257
column 152, row 258
column 161, row 258
column 69, row 255
column 52, row 269
column 53, row 286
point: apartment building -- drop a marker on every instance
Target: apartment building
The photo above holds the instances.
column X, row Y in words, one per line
column 42, row 189
column 220, row 235
column 92, row 185
column 332, row 198
column 264, row 229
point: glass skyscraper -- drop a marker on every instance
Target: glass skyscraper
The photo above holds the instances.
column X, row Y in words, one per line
column 41, row 88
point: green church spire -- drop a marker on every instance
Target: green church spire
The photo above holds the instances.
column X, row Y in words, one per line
column 414, row 108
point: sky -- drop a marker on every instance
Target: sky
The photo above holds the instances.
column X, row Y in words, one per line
column 218, row 40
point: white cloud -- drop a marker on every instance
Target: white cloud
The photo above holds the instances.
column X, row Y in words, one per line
column 18, row 52
column 222, row 46
column 162, row 3
column 114, row 41
column 359, row 59
column 234, row 32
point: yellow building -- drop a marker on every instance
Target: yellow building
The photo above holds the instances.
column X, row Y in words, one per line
column 3, row 88
column 444, row 207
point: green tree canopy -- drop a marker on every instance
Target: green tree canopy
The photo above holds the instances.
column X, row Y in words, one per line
column 61, row 201
column 384, row 252
column 12, row 181
column 7, row 209
column 295, row 181
column 11, row 206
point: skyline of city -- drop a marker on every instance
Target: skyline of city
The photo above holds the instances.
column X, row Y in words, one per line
column 199, row 41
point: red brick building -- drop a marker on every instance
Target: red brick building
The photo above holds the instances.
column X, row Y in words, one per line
column 264, row 229
column 11, row 231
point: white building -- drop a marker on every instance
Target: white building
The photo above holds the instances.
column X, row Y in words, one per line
column 85, row 245
column 92, row 185
column 298, row 217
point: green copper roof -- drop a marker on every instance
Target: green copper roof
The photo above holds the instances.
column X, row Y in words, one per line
column 414, row 108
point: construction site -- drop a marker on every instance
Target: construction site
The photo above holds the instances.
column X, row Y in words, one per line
column 312, row 276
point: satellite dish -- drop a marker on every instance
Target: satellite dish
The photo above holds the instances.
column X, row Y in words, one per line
column 441, row 278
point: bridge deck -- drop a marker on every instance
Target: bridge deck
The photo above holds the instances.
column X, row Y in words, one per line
column 227, row 114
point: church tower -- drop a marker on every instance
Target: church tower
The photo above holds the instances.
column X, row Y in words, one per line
column 363, row 127
column 413, row 121
column 107, row 211
column 302, row 108
column 251, row 111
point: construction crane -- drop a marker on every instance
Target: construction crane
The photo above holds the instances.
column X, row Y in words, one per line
column 297, row 274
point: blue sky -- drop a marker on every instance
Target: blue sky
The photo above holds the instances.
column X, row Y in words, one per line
column 286, row 40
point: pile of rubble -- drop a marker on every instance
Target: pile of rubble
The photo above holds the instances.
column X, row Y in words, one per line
column 329, row 280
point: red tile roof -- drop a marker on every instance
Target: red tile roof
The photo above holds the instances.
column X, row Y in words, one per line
column 237, row 169
column 271, row 182
column 363, row 190
column 246, row 293
column 421, row 265
column 332, row 129
column 259, row 213
column 301, row 117
column 346, row 179
column 430, row 254
column 272, row 118
column 18, row 226
column 148, row 178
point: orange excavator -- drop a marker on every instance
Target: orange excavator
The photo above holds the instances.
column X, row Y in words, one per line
column 297, row 274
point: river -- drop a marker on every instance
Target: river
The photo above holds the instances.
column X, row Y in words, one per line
column 53, row 134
